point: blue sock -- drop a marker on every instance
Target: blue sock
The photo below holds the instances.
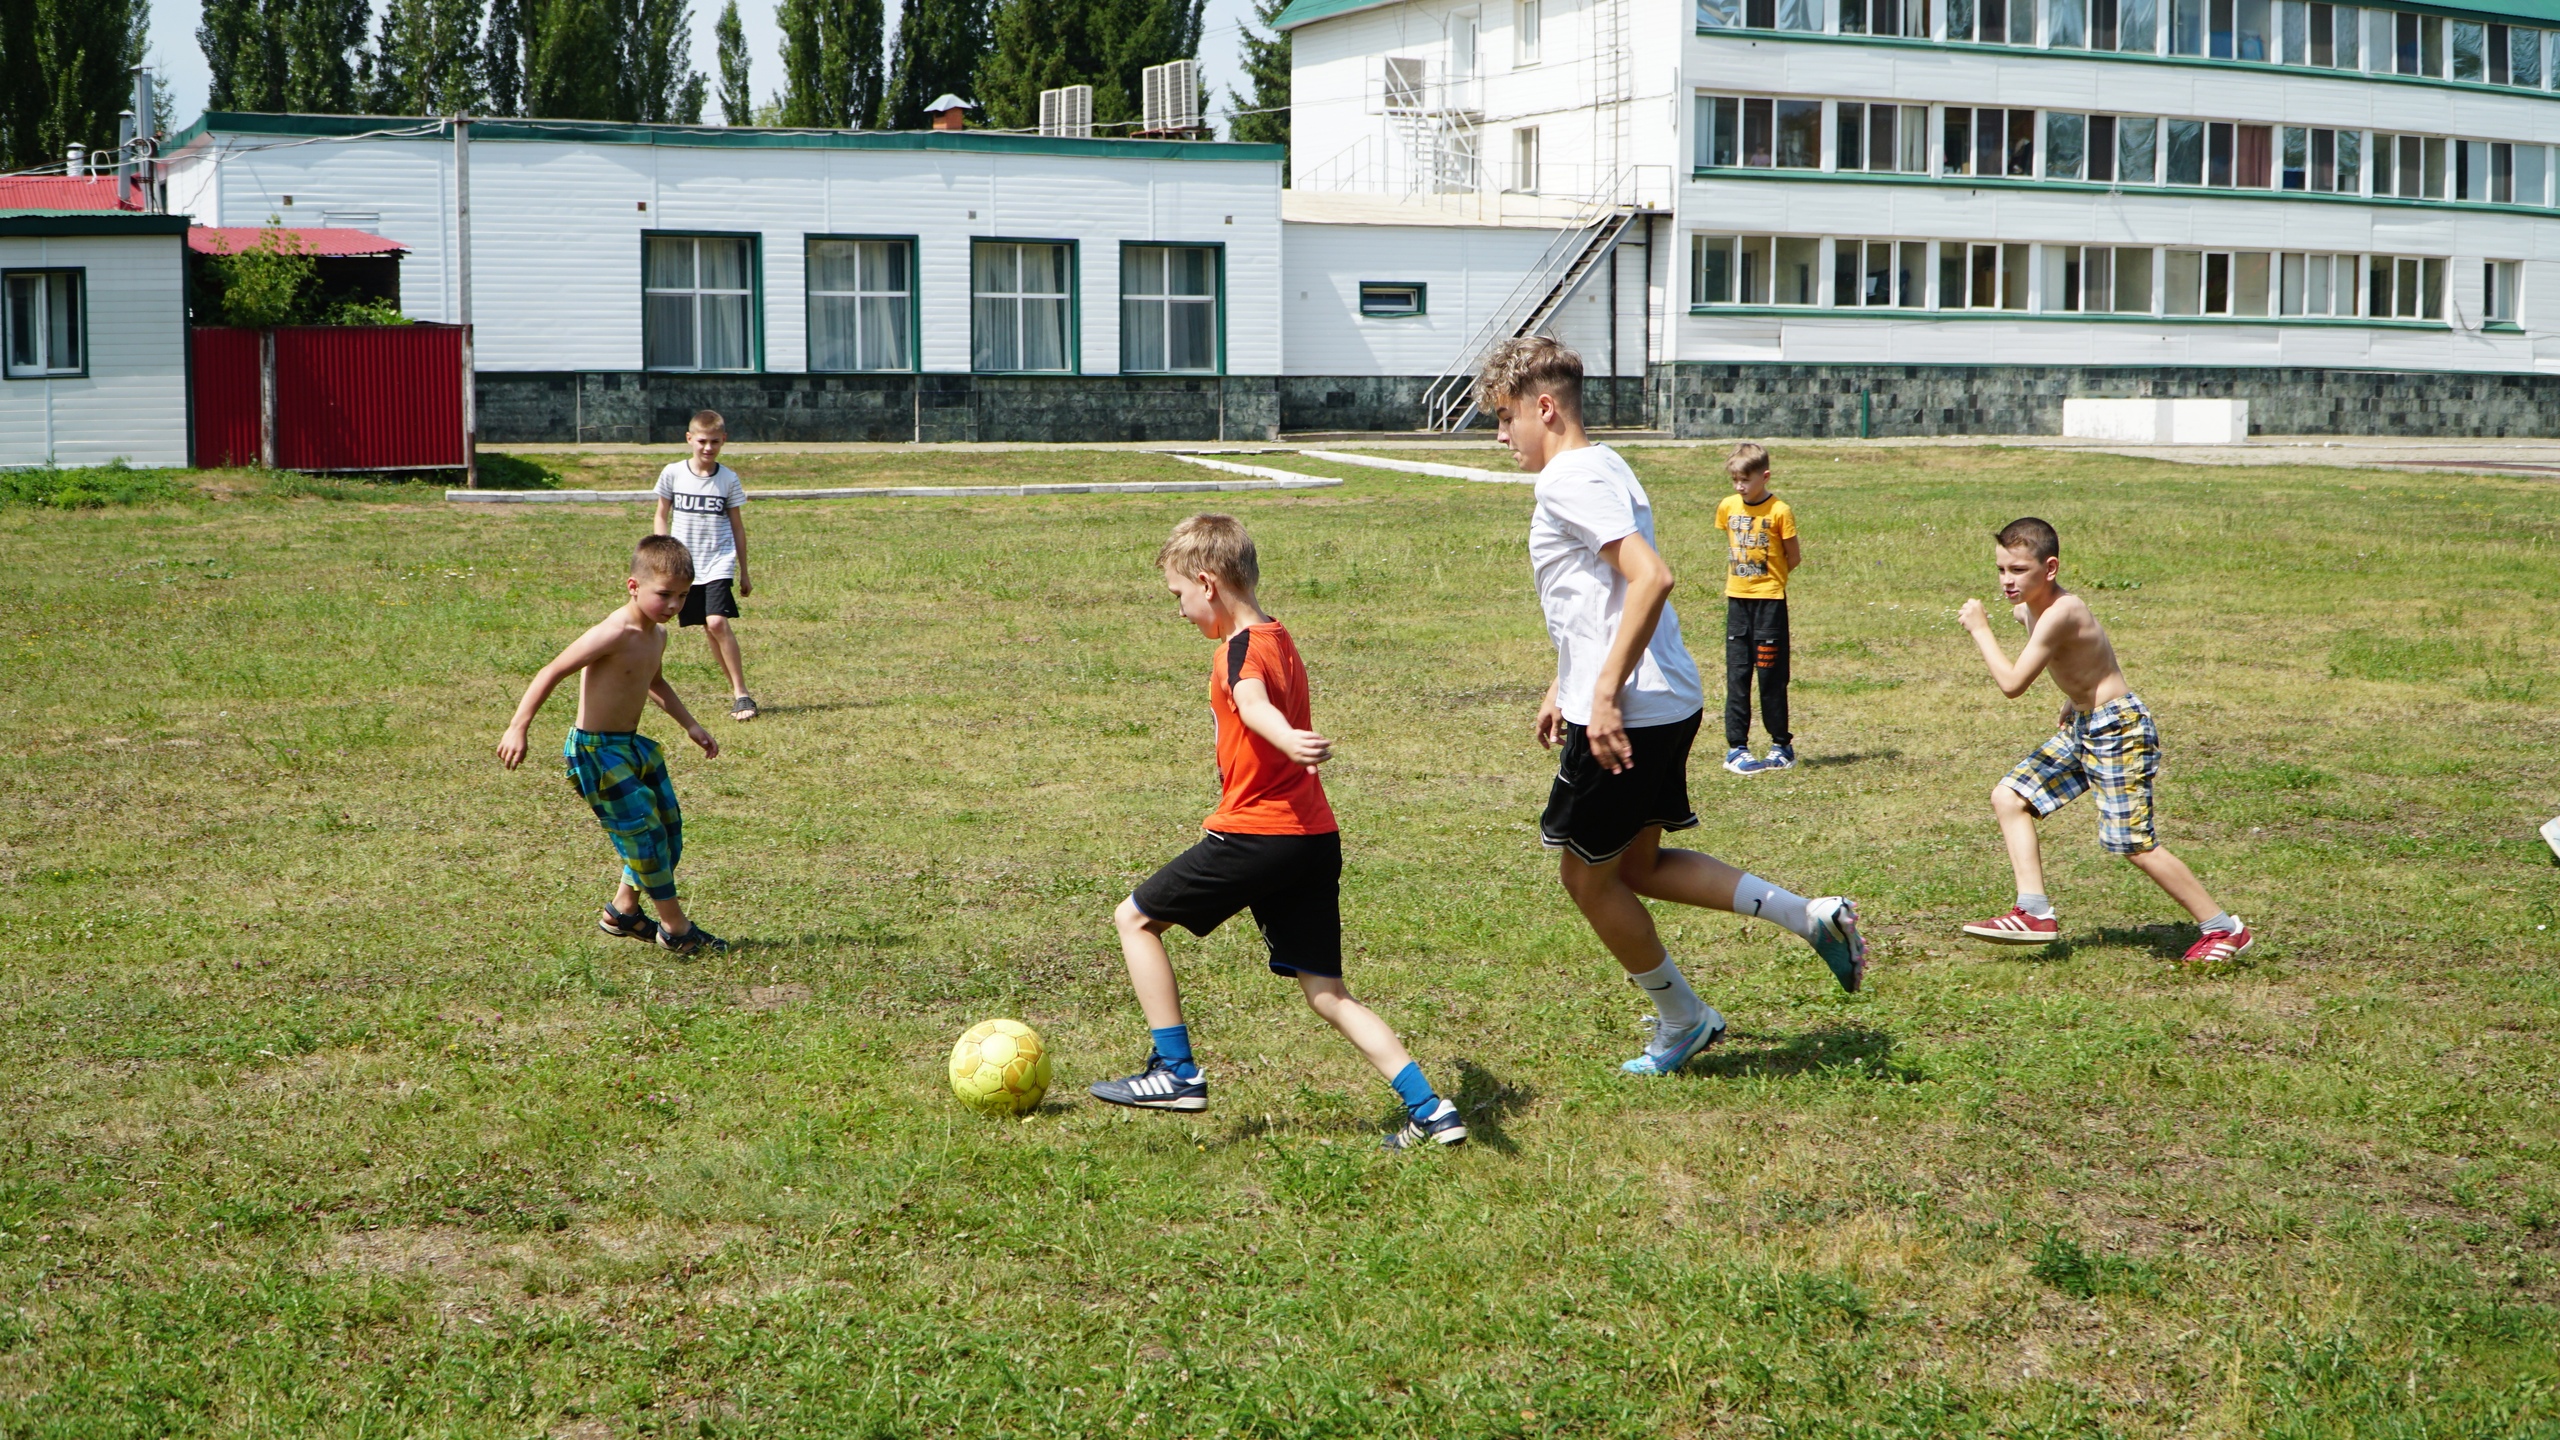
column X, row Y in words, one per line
column 1173, row 1042
column 1416, row 1093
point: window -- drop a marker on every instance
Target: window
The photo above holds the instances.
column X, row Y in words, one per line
column 47, row 322
column 2185, row 152
column 1462, row 48
column 1526, row 16
column 861, row 305
column 2316, row 285
column 1877, row 273
column 2325, row 161
column 2253, row 159
column 2531, row 165
column 2066, row 24
column 1757, row 132
column 2484, row 171
column 1992, row 22
column 2498, row 291
column 2409, row 166
column 2186, row 27
column 2524, row 58
column 1169, row 308
column 2066, row 139
column 2137, row 150
column 699, row 299
column 2218, row 282
column 1755, row 270
column 1401, row 79
column 1982, row 277
column 2401, row 287
column 1989, row 142
column 2418, row 44
column 1880, row 137
column 1021, row 310
column 1524, row 159
column 1885, row 17
column 2293, row 33
column 2252, row 35
column 1797, row 274
column 2470, row 52
column 1393, row 299
column 2097, row 279
column 2500, row 72
column 1760, row 14
column 2132, row 25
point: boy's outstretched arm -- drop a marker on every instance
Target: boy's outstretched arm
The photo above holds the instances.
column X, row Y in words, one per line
column 582, row 652
column 665, row 695
column 2013, row 679
column 1254, row 708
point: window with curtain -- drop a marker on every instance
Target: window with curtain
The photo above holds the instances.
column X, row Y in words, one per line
column 861, row 305
column 698, row 302
column 47, row 322
column 1169, row 308
column 1525, row 21
column 1020, row 298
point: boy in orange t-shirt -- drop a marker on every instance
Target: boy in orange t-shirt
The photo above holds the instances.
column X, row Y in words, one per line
column 1271, row 846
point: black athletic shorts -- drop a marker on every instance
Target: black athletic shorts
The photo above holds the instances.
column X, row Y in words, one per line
column 708, row 597
column 1597, row 815
column 1292, row 883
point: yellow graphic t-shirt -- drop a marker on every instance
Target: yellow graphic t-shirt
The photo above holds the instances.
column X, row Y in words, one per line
column 1758, row 569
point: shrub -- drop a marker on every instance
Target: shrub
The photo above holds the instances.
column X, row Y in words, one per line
column 88, row 487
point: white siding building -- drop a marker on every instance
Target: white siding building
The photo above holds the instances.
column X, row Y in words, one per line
column 632, row 271
column 93, row 339
column 1948, row 214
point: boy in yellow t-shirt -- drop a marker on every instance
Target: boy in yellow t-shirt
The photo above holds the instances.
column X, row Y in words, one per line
column 1760, row 536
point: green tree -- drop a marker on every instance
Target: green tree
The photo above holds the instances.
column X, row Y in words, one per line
column 427, row 60
column 737, row 97
column 283, row 54
column 21, row 86
column 84, row 53
column 610, row 60
column 831, row 70
column 941, row 43
column 1263, row 117
column 1043, row 44
column 502, row 58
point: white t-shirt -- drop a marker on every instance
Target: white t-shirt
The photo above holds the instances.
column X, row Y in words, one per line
column 702, row 504
column 1586, row 499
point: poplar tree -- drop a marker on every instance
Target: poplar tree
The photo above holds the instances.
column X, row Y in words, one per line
column 737, row 97
column 283, row 54
column 610, row 60
column 82, row 54
column 502, row 58
column 21, row 86
column 1043, row 44
column 941, row 43
column 1263, row 117
column 830, row 62
column 426, row 60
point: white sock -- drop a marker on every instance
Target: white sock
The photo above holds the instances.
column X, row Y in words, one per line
column 1677, row 1004
column 1755, row 896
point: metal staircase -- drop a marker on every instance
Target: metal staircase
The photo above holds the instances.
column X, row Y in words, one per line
column 1449, row 403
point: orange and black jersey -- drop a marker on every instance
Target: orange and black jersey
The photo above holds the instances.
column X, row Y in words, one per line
column 1261, row 791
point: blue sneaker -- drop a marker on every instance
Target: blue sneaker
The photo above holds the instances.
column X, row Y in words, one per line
column 1740, row 761
column 1780, row 757
column 1837, row 941
column 1668, row 1052
column 1445, row 1127
column 1155, row 1088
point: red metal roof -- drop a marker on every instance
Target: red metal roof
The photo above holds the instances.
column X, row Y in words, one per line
column 60, row 192
column 316, row 239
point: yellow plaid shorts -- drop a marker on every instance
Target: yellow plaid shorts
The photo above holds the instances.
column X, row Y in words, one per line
column 2114, row 750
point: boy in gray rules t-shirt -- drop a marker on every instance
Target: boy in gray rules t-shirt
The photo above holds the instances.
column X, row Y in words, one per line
column 698, row 504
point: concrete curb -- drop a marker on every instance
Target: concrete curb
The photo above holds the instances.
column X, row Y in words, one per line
column 1423, row 467
column 922, row 492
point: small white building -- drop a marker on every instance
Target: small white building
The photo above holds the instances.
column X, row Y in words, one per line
column 93, row 338
column 809, row 284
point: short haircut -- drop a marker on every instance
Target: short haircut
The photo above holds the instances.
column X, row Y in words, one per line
column 2031, row 535
column 708, row 422
column 1212, row 544
column 663, row 557
column 1747, row 459
column 1531, row 365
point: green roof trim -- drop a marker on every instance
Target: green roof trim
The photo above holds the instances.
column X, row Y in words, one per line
column 1302, row 11
column 89, row 222
column 614, row 132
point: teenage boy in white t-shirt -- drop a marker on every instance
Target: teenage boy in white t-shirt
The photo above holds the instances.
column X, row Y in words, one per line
column 698, row 502
column 1625, row 706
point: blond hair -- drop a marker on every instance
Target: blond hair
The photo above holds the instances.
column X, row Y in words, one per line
column 662, row 557
column 1747, row 459
column 1216, row 545
column 1529, row 366
column 708, row 422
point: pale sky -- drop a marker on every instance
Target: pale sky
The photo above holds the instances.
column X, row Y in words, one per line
column 184, row 79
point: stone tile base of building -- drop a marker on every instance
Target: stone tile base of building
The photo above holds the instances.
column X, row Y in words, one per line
column 1694, row 400
column 1394, row 402
column 645, row 407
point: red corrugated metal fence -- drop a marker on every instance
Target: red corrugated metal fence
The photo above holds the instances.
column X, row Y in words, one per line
column 346, row 398
column 226, row 392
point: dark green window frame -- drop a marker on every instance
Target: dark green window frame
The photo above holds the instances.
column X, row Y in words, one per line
column 755, row 298
column 915, row 305
column 1218, row 304
column 1075, row 300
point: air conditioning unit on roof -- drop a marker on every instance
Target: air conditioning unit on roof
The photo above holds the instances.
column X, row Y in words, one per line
column 1171, row 102
column 1067, row 111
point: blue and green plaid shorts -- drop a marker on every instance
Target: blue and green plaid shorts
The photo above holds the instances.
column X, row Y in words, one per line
column 2114, row 750
column 624, row 777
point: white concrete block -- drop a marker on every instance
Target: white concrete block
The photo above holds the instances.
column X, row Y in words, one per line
column 2157, row 422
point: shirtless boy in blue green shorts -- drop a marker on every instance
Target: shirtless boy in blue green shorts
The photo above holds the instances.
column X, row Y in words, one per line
column 2107, row 743
column 622, row 773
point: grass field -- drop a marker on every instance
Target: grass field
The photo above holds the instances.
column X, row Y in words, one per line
column 330, row 1114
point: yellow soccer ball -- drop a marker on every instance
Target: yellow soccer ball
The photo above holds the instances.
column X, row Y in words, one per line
column 1000, row 1068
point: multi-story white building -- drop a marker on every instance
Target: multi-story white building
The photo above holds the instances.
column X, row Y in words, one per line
column 1949, row 214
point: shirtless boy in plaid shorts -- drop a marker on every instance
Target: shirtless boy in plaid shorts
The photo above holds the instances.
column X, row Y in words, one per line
column 2107, row 743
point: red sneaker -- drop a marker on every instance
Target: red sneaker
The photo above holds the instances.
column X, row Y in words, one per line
column 2016, row 928
column 2219, row 945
